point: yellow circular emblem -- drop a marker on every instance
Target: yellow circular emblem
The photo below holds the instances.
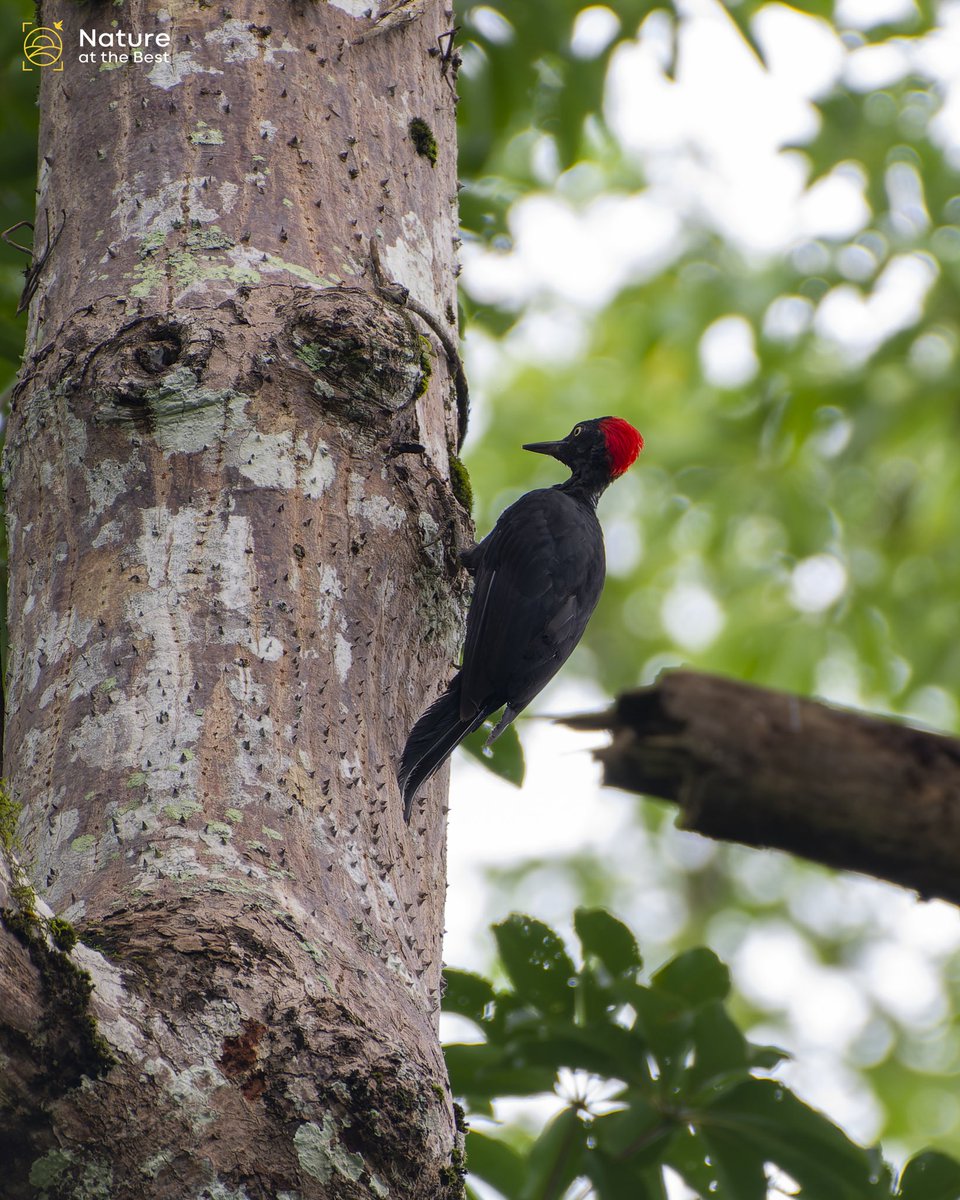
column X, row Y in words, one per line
column 42, row 46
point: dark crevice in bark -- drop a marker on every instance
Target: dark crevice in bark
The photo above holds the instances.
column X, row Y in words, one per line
column 53, row 1054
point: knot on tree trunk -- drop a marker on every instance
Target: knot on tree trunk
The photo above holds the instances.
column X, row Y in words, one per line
column 366, row 361
column 149, row 366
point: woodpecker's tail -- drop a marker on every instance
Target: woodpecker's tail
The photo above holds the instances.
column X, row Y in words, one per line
column 431, row 742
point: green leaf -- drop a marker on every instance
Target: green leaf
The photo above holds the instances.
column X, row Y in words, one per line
column 637, row 1133
column 760, row 1116
column 742, row 15
column 663, row 1022
column 555, row 1158
column 654, row 1183
column 504, row 758
column 495, row 1162
column 537, row 963
column 610, row 1050
column 479, row 1071
column 719, row 1050
column 615, row 1179
column 572, row 1048
column 697, row 975
column 765, row 1057
column 607, row 939
column 467, row 994
column 596, row 1000
column 930, row 1176
column 717, row 1166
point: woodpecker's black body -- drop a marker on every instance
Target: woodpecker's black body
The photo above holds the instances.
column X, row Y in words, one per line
column 538, row 576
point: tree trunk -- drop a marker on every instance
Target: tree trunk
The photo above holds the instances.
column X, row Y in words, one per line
column 232, row 590
column 751, row 765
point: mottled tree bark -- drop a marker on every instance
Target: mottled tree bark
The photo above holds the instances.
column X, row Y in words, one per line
column 232, row 588
column 751, row 765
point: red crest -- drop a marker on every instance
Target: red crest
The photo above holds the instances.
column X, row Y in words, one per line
column 624, row 443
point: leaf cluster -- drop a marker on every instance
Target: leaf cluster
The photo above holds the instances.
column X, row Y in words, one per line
column 652, row 1074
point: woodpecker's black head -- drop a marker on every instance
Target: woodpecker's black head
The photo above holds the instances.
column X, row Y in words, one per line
column 596, row 452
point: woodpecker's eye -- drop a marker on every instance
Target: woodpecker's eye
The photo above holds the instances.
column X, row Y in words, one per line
column 578, row 431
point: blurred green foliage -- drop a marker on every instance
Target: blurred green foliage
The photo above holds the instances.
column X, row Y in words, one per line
column 798, row 527
column 648, row 1076
column 817, row 454
column 18, row 137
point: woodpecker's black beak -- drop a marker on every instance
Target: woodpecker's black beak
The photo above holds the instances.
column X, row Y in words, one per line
column 554, row 449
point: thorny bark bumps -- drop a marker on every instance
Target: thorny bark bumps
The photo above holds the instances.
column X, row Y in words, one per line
column 224, row 887
column 233, row 586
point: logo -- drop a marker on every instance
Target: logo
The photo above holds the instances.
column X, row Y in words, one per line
column 42, row 46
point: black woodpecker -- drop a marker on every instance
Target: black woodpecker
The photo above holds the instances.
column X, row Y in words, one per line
column 537, row 578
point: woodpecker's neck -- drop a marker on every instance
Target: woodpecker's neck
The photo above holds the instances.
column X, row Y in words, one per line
column 585, row 487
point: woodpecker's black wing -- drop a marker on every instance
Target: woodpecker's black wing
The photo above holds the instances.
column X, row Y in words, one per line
column 539, row 575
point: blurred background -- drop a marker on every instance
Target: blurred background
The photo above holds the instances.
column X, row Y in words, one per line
column 737, row 226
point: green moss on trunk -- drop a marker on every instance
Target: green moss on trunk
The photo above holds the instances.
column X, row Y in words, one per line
column 423, row 140
column 460, row 483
